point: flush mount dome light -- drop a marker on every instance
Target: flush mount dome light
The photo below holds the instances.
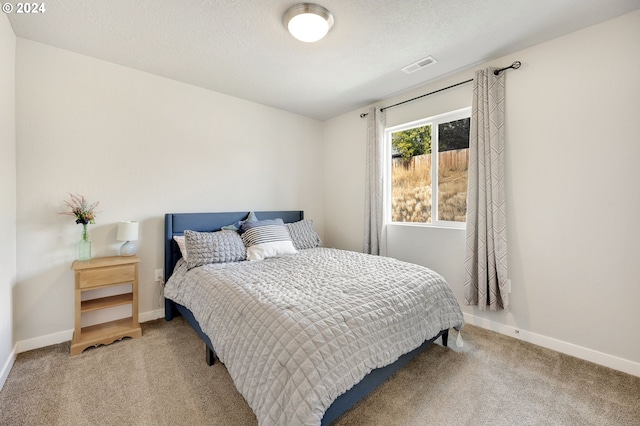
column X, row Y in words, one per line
column 308, row 22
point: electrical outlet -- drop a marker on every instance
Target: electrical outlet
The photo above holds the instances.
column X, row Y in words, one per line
column 159, row 275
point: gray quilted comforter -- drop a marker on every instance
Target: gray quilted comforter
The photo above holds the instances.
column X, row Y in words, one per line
column 297, row 331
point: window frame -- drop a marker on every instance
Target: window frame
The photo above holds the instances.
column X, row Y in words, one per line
column 434, row 121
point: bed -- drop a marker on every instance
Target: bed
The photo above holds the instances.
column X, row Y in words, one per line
column 314, row 367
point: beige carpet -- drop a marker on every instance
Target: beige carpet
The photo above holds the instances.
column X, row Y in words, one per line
column 162, row 379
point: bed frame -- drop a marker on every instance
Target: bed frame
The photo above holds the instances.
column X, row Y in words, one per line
column 177, row 223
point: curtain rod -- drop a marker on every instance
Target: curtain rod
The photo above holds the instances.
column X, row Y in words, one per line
column 514, row 65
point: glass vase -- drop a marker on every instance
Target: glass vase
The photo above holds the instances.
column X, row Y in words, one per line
column 84, row 245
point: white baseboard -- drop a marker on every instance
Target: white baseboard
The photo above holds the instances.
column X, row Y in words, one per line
column 151, row 315
column 586, row 354
column 6, row 368
column 42, row 341
column 67, row 335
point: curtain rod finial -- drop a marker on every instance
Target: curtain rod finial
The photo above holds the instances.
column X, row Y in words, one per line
column 515, row 65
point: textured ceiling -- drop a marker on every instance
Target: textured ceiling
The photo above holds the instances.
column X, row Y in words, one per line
column 241, row 47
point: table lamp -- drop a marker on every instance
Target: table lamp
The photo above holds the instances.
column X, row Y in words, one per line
column 127, row 231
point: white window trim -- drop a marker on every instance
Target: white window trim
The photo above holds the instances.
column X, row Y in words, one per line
column 433, row 121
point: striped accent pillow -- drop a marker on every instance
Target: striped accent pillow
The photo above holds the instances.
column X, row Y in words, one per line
column 267, row 239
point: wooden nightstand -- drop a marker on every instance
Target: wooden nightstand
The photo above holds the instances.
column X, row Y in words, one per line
column 103, row 272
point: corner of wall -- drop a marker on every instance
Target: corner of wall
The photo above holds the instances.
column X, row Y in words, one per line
column 8, row 365
column 8, row 265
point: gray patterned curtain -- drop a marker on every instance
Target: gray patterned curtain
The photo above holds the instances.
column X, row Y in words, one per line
column 374, row 182
column 486, row 284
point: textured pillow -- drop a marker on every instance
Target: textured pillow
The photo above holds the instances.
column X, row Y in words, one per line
column 303, row 235
column 213, row 247
column 179, row 239
column 266, row 238
column 251, row 217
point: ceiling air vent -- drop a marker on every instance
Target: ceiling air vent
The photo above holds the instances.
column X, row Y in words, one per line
column 422, row 63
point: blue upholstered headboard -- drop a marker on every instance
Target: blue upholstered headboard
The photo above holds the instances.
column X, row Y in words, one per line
column 177, row 223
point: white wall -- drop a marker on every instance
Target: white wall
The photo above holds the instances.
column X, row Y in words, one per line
column 7, row 194
column 573, row 167
column 143, row 146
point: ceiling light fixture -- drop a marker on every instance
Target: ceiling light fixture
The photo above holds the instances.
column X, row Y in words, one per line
column 308, row 22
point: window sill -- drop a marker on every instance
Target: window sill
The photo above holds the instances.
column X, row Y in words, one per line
column 453, row 226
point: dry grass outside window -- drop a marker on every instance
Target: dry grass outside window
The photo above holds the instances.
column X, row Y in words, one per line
column 411, row 188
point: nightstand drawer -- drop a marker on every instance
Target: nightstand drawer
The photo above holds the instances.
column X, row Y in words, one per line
column 102, row 276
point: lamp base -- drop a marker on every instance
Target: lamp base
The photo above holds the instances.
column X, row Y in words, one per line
column 128, row 249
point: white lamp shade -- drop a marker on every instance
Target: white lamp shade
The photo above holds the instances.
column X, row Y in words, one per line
column 127, row 231
column 308, row 22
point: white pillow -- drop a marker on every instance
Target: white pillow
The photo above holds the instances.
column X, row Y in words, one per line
column 272, row 249
column 182, row 244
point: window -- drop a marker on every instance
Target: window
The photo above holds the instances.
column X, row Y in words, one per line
column 428, row 160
